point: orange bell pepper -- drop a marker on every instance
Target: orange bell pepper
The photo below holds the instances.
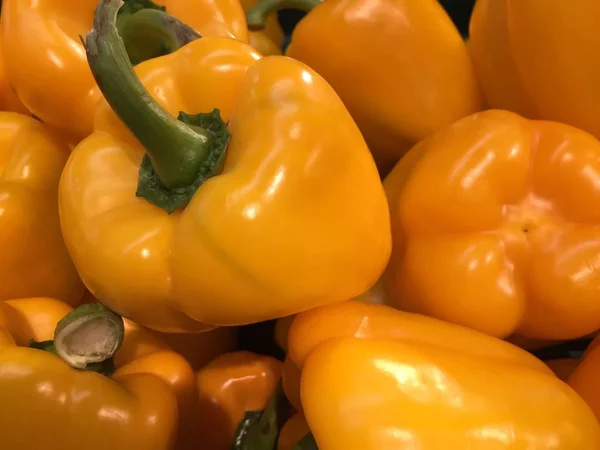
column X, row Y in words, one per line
column 8, row 99
column 34, row 260
column 563, row 368
column 290, row 380
column 137, row 407
column 495, row 227
column 400, row 66
column 50, row 73
column 540, row 59
column 236, row 192
column 268, row 41
column 229, row 388
column 201, row 348
column 374, row 378
column 584, row 378
column 294, row 429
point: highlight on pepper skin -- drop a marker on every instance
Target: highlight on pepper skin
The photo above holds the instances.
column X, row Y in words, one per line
column 495, row 227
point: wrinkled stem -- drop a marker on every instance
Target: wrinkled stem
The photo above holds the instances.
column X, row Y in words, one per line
column 89, row 334
column 257, row 15
column 176, row 150
column 150, row 33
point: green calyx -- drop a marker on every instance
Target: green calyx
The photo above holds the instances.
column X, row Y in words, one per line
column 306, row 443
column 259, row 429
column 258, row 14
column 149, row 184
column 87, row 338
column 149, row 32
column 180, row 153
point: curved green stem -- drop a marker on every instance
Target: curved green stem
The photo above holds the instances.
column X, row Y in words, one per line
column 175, row 149
column 150, row 33
column 89, row 334
column 257, row 15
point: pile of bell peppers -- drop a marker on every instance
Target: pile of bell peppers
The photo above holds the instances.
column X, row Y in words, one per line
column 380, row 236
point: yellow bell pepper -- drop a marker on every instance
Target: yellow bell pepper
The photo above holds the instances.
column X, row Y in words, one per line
column 540, row 59
column 225, row 216
column 137, row 407
column 268, row 41
column 584, row 378
column 8, row 99
column 230, row 387
column 45, row 59
column 495, row 227
column 400, row 66
column 374, row 378
column 34, row 260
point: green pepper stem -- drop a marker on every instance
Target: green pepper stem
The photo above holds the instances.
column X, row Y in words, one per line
column 89, row 334
column 150, row 33
column 258, row 14
column 176, row 150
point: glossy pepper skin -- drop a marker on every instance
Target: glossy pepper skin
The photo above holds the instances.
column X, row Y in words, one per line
column 539, row 59
column 376, row 378
column 34, row 260
column 495, row 227
column 282, row 177
column 50, row 73
column 400, row 66
column 229, row 387
column 8, row 99
column 136, row 408
column 394, row 394
column 268, row 41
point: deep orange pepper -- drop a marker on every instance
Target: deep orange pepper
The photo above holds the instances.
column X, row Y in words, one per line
column 294, row 429
column 290, row 377
column 229, row 387
column 563, row 368
column 495, row 226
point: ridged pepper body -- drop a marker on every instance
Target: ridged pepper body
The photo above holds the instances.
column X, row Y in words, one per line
column 290, row 199
column 495, row 227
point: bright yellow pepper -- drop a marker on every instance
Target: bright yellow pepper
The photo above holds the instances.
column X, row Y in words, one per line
column 400, row 66
column 46, row 62
column 136, row 408
column 269, row 40
column 495, row 227
column 374, row 378
column 33, row 260
column 229, row 387
column 540, row 59
column 280, row 198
